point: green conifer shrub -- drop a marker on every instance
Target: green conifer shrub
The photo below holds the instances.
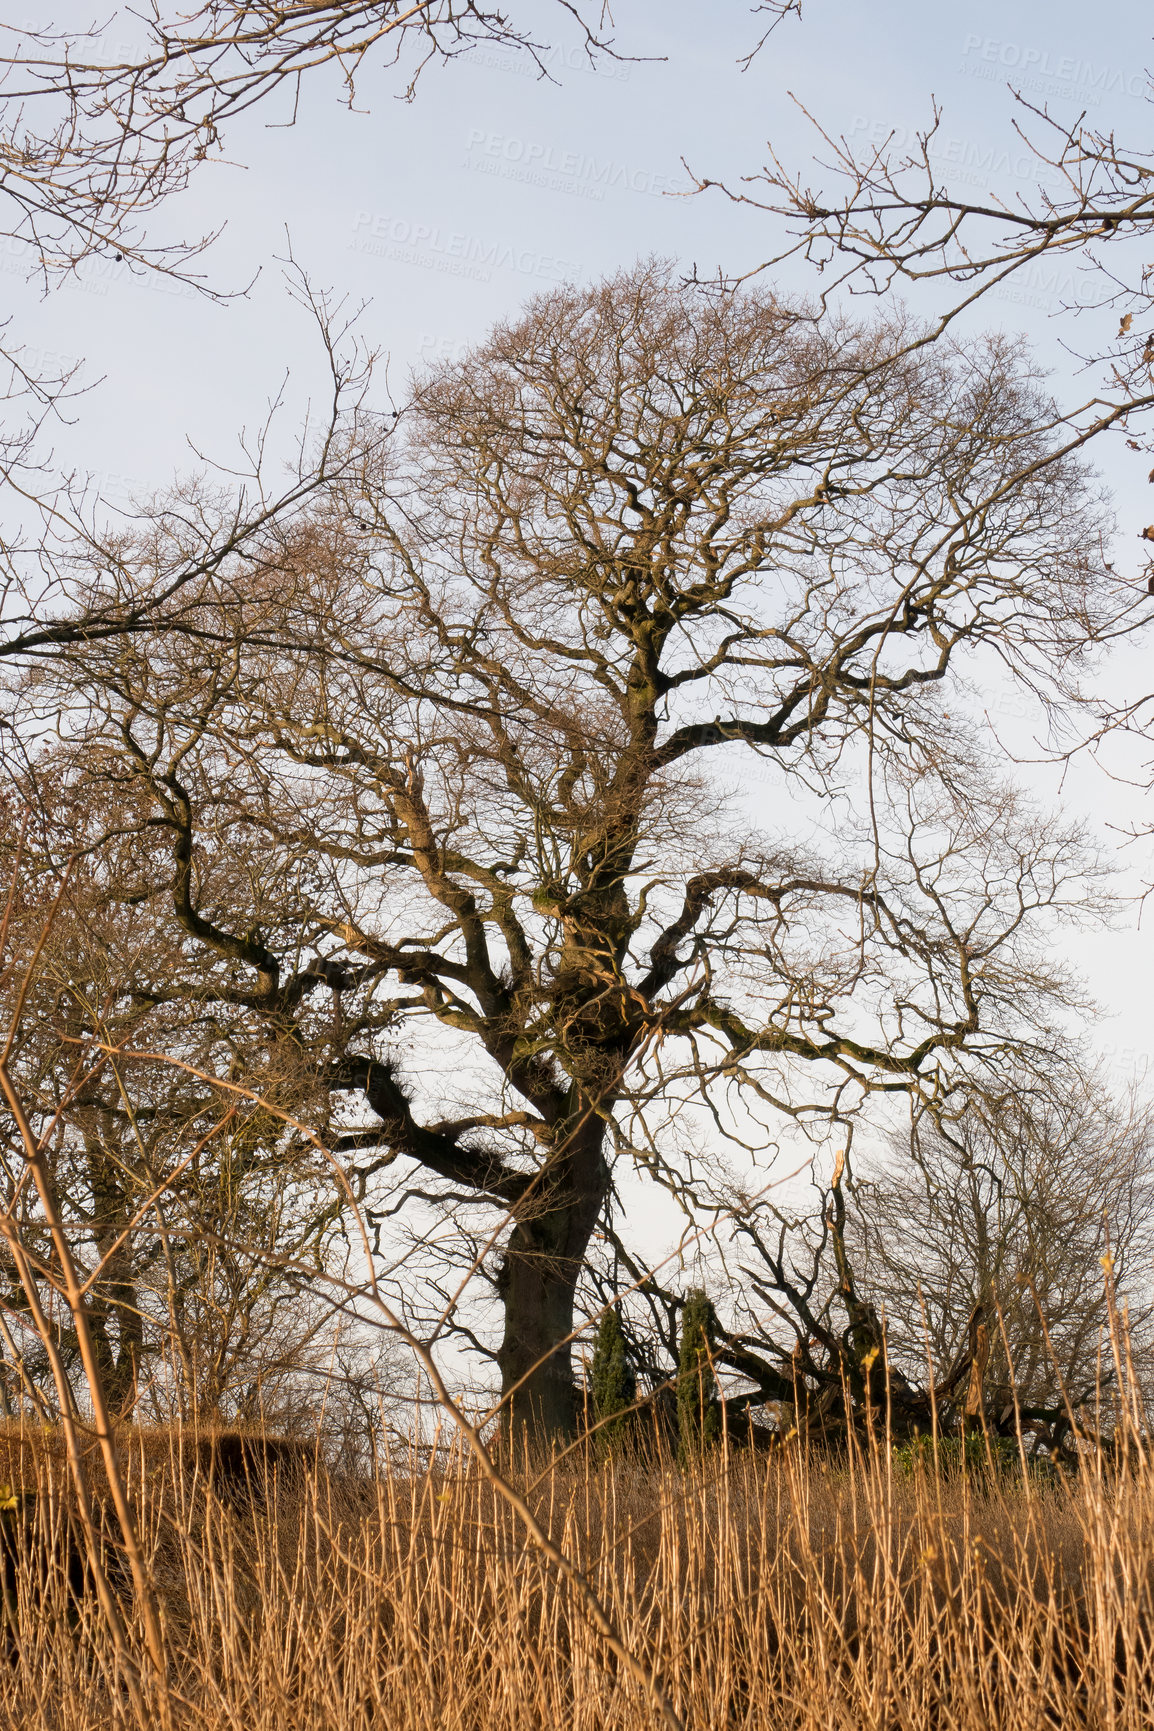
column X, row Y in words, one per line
column 698, row 1409
column 614, row 1384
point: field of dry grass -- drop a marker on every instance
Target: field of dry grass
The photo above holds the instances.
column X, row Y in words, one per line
column 759, row 1592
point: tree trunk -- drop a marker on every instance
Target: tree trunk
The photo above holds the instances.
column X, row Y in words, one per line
column 537, row 1283
column 114, row 1299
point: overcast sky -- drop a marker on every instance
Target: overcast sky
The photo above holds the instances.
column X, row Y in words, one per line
column 446, row 213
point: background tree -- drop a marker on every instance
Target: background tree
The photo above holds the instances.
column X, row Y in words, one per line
column 196, row 1223
column 445, row 757
column 1013, row 1207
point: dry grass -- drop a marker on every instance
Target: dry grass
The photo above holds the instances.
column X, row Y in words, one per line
column 763, row 1592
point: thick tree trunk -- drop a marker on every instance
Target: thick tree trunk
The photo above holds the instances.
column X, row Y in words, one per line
column 538, row 1281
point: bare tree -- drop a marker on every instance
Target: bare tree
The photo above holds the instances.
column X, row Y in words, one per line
column 63, row 576
column 55, row 1284
column 198, row 1226
column 968, row 1278
column 892, row 217
column 454, row 769
column 91, row 146
column 870, row 221
column 1014, row 1207
column 1018, row 1178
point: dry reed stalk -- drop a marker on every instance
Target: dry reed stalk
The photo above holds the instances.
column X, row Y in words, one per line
column 790, row 1591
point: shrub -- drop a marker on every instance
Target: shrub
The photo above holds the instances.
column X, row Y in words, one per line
column 698, row 1409
column 614, row 1386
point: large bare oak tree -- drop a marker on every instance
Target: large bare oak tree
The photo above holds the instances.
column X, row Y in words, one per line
column 443, row 824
